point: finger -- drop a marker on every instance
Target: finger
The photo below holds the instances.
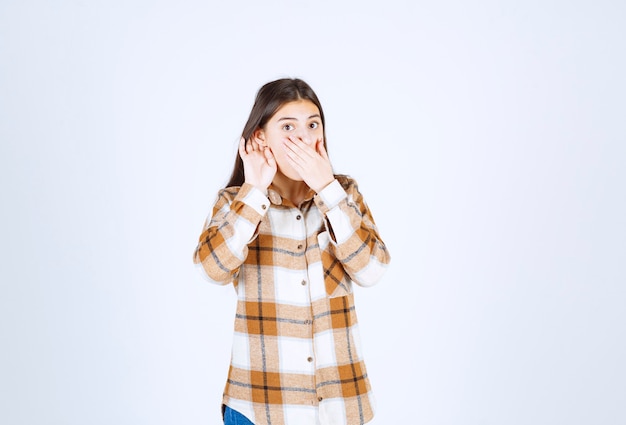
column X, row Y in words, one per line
column 242, row 147
column 291, row 154
column 297, row 164
column 248, row 146
column 269, row 156
column 306, row 145
column 300, row 148
column 256, row 145
column 297, row 160
column 294, row 158
column 290, row 146
column 321, row 150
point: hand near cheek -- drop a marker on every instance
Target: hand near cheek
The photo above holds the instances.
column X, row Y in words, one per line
column 310, row 161
column 259, row 164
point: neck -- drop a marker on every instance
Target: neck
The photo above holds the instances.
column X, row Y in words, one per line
column 293, row 190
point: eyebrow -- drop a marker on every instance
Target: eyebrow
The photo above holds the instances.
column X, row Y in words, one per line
column 295, row 119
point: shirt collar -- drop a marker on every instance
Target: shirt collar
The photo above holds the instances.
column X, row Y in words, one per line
column 276, row 199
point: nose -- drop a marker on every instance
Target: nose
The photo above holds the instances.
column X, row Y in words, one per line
column 302, row 134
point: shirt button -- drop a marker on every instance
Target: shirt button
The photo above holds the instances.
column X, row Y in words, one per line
column 320, row 398
column 264, row 206
column 310, row 359
column 303, row 282
column 299, row 246
column 298, row 217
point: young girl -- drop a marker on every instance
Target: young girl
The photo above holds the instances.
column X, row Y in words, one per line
column 292, row 237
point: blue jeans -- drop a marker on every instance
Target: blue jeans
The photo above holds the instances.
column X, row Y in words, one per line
column 233, row 417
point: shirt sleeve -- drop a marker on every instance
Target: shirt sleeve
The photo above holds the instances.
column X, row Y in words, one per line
column 354, row 237
column 233, row 224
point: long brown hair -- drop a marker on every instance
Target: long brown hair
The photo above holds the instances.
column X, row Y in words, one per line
column 271, row 97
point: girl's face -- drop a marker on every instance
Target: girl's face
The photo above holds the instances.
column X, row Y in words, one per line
column 299, row 119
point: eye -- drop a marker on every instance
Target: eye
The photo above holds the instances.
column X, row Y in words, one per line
column 314, row 125
column 288, row 127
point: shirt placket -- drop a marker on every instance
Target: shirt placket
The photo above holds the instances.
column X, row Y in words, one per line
column 301, row 225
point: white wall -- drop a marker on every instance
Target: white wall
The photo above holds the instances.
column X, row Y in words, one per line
column 488, row 138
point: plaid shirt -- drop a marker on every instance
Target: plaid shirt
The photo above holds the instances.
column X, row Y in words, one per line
column 296, row 355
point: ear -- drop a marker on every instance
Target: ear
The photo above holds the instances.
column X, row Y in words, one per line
column 259, row 137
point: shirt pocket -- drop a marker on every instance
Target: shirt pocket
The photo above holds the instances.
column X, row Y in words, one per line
column 336, row 280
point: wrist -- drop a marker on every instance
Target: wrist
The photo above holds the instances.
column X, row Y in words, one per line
column 262, row 188
column 259, row 186
column 324, row 185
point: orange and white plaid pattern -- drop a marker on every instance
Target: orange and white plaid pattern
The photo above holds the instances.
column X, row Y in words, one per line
column 296, row 355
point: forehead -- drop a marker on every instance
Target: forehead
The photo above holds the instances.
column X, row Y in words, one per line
column 298, row 109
